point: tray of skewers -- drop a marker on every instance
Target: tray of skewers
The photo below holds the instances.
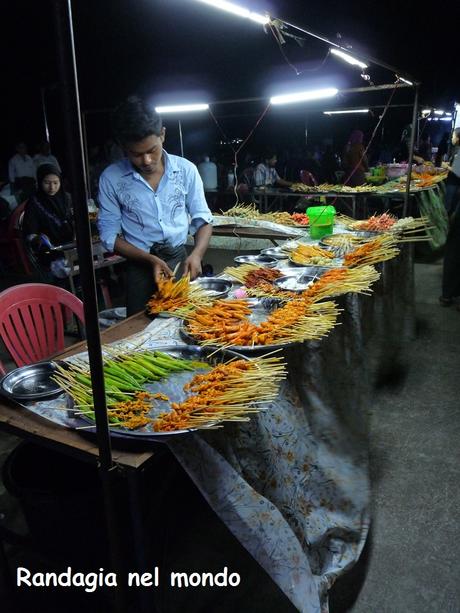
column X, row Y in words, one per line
column 176, row 390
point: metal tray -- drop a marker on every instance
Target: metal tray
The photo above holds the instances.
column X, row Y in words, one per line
column 262, row 307
column 302, row 278
column 263, row 260
column 275, row 252
column 172, row 387
column 31, row 382
column 214, row 286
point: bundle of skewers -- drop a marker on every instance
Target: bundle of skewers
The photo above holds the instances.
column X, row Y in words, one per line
column 334, row 282
column 250, row 211
column 125, row 376
column 379, row 249
column 229, row 392
column 227, row 323
column 310, row 255
column 176, row 297
column 251, row 275
column 407, row 229
column 341, row 244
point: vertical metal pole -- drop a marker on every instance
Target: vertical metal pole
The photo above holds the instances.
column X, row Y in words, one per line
column 181, row 139
column 71, row 113
column 45, row 118
column 85, row 152
column 411, row 151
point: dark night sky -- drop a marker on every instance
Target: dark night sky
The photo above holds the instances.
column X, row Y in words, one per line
column 171, row 48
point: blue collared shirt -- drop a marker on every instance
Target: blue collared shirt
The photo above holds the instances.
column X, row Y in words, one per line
column 265, row 175
column 131, row 207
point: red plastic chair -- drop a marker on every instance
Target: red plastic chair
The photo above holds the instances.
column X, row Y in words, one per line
column 307, row 178
column 32, row 320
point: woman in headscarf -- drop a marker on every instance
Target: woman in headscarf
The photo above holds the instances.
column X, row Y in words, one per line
column 48, row 218
column 355, row 161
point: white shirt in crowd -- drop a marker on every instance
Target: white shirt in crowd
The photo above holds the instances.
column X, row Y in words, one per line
column 21, row 166
column 40, row 159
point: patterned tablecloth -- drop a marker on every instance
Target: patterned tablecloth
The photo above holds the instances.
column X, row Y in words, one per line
column 292, row 484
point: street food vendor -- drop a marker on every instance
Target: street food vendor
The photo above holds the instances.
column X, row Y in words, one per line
column 149, row 202
column 266, row 175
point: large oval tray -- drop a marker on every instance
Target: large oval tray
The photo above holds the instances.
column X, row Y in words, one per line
column 261, row 308
column 31, row 382
column 172, row 387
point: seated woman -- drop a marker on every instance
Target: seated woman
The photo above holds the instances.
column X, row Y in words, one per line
column 48, row 222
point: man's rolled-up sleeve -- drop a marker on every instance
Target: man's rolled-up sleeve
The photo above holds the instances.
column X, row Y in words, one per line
column 196, row 202
column 109, row 216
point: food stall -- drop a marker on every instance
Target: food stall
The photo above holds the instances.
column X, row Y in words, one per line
column 284, row 463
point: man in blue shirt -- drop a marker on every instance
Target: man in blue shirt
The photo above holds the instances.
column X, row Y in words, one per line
column 149, row 202
column 266, row 175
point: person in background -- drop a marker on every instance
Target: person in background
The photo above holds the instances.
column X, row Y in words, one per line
column 266, row 175
column 329, row 166
column 48, row 220
column 21, row 167
column 44, row 156
column 453, row 177
column 149, row 201
column 354, row 160
column 451, row 264
column 425, row 149
column 443, row 149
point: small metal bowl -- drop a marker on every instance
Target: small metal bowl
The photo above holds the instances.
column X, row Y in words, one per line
column 263, row 260
column 213, row 286
column 303, row 279
column 31, row 382
column 275, row 252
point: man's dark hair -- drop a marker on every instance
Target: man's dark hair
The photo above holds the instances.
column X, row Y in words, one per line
column 133, row 120
column 269, row 153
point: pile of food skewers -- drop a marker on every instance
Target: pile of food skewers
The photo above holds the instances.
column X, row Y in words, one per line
column 226, row 392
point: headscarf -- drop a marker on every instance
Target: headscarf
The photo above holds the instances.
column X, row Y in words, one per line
column 52, row 214
column 356, row 138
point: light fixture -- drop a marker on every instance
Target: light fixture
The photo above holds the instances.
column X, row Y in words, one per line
column 404, row 80
column 448, row 114
column 238, row 10
column 439, row 112
column 314, row 94
column 348, row 58
column 426, row 112
column 347, row 111
column 181, row 108
column 446, row 119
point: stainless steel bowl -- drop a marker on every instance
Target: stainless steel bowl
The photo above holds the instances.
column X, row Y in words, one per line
column 213, row 286
column 263, row 260
column 303, row 279
column 31, row 382
column 275, row 252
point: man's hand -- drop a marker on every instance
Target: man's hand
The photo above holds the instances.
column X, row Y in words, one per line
column 193, row 266
column 160, row 269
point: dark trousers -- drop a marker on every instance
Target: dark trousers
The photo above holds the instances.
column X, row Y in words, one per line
column 451, row 269
column 140, row 284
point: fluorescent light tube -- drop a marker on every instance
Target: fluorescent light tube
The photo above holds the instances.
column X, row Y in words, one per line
column 237, row 10
column 314, row 94
column 346, row 111
column 181, row 108
column 348, row 58
column 404, row 80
